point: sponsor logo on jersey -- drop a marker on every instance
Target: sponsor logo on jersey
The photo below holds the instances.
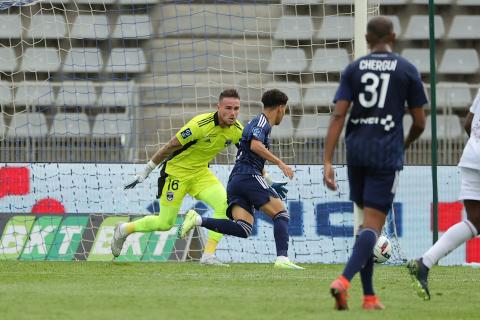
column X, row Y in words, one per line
column 186, row 133
column 386, row 122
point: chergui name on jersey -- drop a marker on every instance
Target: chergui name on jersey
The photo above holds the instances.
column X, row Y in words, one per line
column 378, row 65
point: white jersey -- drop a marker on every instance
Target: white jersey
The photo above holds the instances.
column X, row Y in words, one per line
column 471, row 154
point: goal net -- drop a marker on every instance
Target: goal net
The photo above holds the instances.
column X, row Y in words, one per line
column 90, row 89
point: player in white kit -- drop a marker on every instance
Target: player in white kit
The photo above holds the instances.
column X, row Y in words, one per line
column 469, row 193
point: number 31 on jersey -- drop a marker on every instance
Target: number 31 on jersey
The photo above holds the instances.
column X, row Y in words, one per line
column 372, row 83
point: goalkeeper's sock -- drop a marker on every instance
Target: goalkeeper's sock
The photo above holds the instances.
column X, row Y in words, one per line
column 211, row 246
column 127, row 228
column 366, row 275
column 362, row 251
column 239, row 228
column 280, row 233
column 451, row 239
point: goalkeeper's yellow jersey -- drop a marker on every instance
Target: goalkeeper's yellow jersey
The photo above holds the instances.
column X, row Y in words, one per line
column 202, row 139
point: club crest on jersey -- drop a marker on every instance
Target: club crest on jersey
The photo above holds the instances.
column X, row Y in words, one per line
column 169, row 195
column 228, row 143
column 186, row 133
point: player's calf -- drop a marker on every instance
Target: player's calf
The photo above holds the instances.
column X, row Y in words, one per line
column 239, row 228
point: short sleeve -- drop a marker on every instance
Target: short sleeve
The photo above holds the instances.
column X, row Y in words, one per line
column 258, row 133
column 345, row 90
column 416, row 92
column 474, row 108
column 189, row 132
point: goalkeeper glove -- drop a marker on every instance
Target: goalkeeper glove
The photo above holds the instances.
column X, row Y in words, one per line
column 140, row 177
column 279, row 187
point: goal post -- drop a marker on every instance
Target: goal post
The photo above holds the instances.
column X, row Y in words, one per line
column 92, row 88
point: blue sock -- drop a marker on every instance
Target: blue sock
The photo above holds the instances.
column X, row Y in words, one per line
column 239, row 228
column 280, row 233
column 362, row 251
column 366, row 275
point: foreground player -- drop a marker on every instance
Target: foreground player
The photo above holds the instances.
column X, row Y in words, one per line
column 469, row 193
column 185, row 170
column 247, row 187
column 378, row 84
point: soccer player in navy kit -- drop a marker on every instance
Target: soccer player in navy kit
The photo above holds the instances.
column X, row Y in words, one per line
column 248, row 189
column 377, row 86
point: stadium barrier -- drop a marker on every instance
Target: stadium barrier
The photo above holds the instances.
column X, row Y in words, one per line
column 67, row 212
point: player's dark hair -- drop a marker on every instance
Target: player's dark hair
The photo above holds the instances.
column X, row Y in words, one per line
column 380, row 27
column 229, row 93
column 274, row 98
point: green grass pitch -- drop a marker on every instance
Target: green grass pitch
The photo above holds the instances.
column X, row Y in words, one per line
column 89, row 290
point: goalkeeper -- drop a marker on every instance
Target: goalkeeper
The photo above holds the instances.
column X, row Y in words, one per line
column 183, row 164
column 248, row 188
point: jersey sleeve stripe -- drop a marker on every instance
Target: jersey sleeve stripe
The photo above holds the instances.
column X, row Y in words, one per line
column 263, row 121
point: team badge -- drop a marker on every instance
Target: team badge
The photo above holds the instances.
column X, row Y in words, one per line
column 228, row 142
column 186, row 133
column 169, row 195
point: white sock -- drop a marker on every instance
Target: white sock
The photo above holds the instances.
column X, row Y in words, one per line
column 123, row 229
column 455, row 236
column 198, row 220
column 207, row 255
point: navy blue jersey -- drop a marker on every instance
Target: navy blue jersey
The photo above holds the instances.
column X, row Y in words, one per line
column 248, row 162
column 379, row 85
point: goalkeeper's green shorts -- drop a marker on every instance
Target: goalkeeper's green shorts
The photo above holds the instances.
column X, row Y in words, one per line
column 174, row 189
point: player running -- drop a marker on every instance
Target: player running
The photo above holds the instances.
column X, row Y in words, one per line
column 247, row 187
column 183, row 163
column 377, row 86
column 469, row 193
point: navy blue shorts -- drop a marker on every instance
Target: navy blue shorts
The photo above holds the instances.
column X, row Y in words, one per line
column 249, row 192
column 373, row 188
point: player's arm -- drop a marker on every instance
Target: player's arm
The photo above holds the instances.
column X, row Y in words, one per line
column 416, row 99
column 189, row 132
column 335, row 128
column 157, row 158
column 468, row 122
column 259, row 148
column 418, row 125
column 471, row 113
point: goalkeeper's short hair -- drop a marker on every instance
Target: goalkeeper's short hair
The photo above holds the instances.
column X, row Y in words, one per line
column 229, row 93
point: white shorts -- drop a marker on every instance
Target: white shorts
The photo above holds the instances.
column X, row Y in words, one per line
column 470, row 188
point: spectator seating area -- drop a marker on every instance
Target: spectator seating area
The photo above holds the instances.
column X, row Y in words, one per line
column 88, row 70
